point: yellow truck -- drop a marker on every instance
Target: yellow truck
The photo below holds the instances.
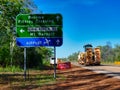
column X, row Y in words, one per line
column 91, row 56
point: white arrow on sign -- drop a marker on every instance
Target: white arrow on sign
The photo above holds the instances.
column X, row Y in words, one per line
column 58, row 41
column 22, row 30
column 57, row 17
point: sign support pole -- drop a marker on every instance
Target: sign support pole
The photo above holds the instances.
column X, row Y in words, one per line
column 25, row 64
column 54, row 62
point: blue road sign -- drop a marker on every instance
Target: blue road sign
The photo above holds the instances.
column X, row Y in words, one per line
column 36, row 42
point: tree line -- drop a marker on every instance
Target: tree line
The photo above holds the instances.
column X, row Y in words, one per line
column 10, row 54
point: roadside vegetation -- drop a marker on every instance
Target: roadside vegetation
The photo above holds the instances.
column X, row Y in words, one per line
column 11, row 56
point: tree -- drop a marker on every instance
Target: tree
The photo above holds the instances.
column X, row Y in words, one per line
column 36, row 56
column 117, row 52
column 107, row 52
column 73, row 57
column 9, row 9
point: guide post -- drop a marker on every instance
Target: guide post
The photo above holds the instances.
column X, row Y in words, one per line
column 25, row 64
column 54, row 62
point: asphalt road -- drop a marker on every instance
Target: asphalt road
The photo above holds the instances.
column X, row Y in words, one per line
column 109, row 70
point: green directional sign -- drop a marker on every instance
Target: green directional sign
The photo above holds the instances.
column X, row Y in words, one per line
column 35, row 30
column 39, row 25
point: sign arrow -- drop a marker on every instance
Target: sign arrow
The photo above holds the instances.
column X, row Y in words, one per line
column 22, row 30
column 58, row 41
column 57, row 17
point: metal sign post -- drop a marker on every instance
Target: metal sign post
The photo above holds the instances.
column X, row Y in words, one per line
column 54, row 62
column 25, row 64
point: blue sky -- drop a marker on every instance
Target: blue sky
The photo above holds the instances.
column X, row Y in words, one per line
column 85, row 21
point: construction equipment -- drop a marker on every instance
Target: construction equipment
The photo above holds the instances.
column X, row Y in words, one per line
column 91, row 56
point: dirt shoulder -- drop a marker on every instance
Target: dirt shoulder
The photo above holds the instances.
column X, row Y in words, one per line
column 83, row 79
column 76, row 78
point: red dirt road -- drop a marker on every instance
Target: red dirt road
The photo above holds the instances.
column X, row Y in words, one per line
column 76, row 78
column 83, row 79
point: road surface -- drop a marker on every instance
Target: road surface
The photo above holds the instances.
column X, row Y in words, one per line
column 109, row 70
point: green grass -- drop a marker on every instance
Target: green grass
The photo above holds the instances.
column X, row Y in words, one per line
column 34, row 80
column 45, row 79
column 10, row 69
column 37, row 78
